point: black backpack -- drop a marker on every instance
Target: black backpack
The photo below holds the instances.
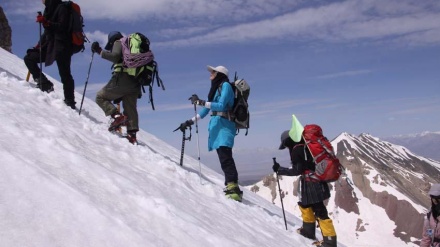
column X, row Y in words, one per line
column 76, row 24
column 147, row 77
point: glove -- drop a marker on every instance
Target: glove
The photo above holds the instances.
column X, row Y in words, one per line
column 41, row 19
column 276, row 166
column 96, row 48
column 195, row 100
column 186, row 124
column 33, row 49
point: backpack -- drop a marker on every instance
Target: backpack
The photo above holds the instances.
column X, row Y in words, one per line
column 327, row 165
column 138, row 61
column 240, row 110
column 76, row 24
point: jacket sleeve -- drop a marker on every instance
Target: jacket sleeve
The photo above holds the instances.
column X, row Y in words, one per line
column 203, row 112
column 292, row 171
column 298, row 159
column 225, row 99
column 115, row 55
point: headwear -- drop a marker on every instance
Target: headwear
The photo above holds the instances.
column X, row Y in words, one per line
column 221, row 77
column 435, row 190
column 112, row 37
column 51, row 6
column 284, row 136
column 220, row 69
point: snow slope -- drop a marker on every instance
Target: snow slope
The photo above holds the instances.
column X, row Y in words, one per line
column 67, row 181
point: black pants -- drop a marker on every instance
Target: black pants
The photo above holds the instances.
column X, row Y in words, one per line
column 319, row 210
column 228, row 164
column 32, row 60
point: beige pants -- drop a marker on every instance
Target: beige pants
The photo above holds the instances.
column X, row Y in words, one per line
column 121, row 86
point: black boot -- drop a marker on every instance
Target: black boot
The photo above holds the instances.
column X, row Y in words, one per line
column 308, row 230
column 45, row 85
column 70, row 103
column 329, row 242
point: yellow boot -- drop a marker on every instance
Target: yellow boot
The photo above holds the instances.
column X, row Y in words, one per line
column 233, row 191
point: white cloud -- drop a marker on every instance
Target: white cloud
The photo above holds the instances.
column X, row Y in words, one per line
column 183, row 10
column 195, row 22
column 99, row 36
column 338, row 22
column 344, row 74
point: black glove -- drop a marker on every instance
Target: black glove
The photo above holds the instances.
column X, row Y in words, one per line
column 96, row 48
column 186, row 124
column 276, row 166
column 195, row 100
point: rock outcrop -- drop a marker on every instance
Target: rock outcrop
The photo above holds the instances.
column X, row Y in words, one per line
column 5, row 32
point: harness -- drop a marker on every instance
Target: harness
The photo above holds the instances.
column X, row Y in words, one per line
column 223, row 114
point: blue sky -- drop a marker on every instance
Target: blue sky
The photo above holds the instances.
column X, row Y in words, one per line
column 356, row 66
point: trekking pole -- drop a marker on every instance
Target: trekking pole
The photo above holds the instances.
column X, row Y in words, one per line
column 41, row 58
column 183, row 144
column 198, row 145
column 281, row 198
column 85, row 86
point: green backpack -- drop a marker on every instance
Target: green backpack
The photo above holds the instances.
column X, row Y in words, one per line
column 138, row 61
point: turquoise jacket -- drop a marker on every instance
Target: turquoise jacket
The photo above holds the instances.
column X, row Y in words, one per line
column 221, row 130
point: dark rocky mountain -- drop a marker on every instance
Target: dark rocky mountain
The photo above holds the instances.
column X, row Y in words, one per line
column 5, row 32
column 388, row 196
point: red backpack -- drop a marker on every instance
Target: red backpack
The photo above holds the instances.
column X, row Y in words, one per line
column 328, row 168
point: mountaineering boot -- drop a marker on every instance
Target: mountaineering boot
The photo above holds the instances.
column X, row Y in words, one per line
column 232, row 191
column 47, row 87
column 44, row 85
column 307, row 230
column 119, row 120
column 38, row 82
column 70, row 103
column 309, row 222
column 329, row 242
column 131, row 136
column 328, row 233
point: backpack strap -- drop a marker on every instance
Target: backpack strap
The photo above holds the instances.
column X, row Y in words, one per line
column 155, row 75
column 220, row 92
column 308, row 175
